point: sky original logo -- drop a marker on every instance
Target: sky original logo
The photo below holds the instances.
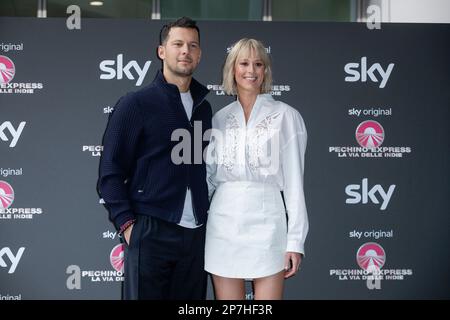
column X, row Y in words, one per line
column 5, row 47
column 114, row 69
column 374, row 234
column 109, row 235
column 372, row 112
column 6, row 172
column 10, row 297
column 359, row 72
column 108, row 110
column 268, row 49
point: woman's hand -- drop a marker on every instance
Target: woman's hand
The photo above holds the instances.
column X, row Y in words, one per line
column 292, row 262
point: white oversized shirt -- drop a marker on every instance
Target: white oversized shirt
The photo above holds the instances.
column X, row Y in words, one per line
column 270, row 148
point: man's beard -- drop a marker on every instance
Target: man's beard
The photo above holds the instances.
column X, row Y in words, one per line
column 182, row 72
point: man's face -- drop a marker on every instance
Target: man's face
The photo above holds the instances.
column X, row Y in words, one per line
column 181, row 52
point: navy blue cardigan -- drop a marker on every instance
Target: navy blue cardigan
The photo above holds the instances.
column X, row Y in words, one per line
column 136, row 172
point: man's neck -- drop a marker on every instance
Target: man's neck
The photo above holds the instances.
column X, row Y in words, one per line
column 182, row 83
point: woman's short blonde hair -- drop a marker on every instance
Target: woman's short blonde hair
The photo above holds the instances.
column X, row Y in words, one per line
column 244, row 47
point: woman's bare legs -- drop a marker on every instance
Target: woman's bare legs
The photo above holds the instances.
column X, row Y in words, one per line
column 269, row 288
column 228, row 288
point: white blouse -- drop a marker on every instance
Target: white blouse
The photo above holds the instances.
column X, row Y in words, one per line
column 270, row 148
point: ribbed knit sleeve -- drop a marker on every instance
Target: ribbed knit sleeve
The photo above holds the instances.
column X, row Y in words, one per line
column 119, row 146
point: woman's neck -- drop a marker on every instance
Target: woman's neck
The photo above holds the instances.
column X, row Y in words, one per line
column 247, row 101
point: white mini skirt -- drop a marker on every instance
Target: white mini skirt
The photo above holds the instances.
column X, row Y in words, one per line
column 246, row 232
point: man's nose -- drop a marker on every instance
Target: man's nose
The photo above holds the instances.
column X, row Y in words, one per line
column 185, row 48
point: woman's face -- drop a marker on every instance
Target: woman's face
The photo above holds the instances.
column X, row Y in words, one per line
column 249, row 72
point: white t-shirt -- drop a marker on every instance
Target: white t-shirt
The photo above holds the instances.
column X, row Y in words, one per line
column 187, row 219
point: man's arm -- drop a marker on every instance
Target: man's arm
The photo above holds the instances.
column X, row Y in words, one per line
column 119, row 148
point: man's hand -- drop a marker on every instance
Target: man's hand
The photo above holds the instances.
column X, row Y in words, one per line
column 127, row 234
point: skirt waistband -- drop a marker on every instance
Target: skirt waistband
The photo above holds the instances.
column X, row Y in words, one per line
column 249, row 184
column 247, row 196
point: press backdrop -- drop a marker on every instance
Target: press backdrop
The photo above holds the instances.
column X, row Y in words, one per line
column 375, row 104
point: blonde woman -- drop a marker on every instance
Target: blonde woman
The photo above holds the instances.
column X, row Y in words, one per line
column 254, row 160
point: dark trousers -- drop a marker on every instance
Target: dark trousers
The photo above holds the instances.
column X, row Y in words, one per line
column 164, row 261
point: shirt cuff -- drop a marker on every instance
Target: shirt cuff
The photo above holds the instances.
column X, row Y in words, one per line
column 125, row 226
column 295, row 246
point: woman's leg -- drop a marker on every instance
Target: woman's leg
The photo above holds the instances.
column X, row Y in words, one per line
column 228, row 288
column 269, row 288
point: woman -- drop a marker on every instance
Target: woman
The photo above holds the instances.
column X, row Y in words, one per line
column 256, row 151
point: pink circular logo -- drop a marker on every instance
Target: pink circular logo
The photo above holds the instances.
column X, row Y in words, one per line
column 7, row 69
column 369, row 134
column 371, row 256
column 116, row 257
column 6, row 195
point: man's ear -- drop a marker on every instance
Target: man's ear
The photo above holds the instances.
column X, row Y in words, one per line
column 161, row 52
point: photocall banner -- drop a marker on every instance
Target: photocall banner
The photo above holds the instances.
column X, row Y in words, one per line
column 375, row 104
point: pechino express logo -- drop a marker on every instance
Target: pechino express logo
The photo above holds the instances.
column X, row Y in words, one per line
column 7, row 70
column 371, row 258
column 116, row 259
column 370, row 136
column 7, row 212
column 7, row 74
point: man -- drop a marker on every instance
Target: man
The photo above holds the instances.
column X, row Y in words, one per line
column 158, row 204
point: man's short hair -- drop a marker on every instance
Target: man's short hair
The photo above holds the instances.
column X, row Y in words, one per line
column 183, row 22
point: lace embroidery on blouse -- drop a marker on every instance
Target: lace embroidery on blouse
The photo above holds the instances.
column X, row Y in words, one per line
column 231, row 142
column 257, row 139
